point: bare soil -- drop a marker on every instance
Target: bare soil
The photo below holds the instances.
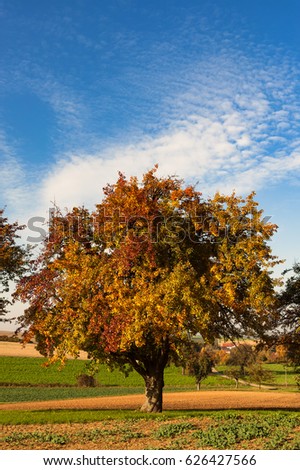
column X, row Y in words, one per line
column 9, row 348
column 202, row 400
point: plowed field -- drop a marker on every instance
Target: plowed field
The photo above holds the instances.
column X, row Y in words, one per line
column 203, row 400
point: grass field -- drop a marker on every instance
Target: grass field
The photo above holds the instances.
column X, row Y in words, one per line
column 282, row 375
column 25, row 379
column 169, row 430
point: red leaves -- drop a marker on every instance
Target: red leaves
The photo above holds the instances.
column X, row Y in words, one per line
column 153, row 263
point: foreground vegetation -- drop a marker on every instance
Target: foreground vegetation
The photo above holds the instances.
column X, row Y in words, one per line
column 135, row 430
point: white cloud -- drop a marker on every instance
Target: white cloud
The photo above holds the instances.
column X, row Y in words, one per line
column 227, row 121
column 220, row 155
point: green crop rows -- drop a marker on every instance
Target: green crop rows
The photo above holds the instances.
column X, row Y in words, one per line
column 170, row 430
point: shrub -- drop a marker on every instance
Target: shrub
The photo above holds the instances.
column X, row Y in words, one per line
column 86, row 380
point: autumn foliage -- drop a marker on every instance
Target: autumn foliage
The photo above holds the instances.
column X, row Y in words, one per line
column 154, row 264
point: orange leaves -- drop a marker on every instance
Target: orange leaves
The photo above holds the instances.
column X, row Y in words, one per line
column 152, row 265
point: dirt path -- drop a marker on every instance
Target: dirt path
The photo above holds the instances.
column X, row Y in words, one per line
column 203, row 400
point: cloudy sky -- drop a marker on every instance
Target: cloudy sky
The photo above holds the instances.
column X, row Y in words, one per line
column 209, row 90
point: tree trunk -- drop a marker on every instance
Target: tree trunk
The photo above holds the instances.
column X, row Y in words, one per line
column 150, row 364
column 198, row 386
column 154, row 384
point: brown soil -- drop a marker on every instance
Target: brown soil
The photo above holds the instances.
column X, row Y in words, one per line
column 8, row 348
column 203, row 400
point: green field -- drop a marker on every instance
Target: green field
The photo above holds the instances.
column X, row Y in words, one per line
column 26, row 379
column 282, row 376
column 30, row 371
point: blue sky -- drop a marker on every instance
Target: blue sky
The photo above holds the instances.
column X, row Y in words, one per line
column 209, row 90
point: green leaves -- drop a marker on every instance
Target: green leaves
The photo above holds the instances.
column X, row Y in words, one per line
column 13, row 258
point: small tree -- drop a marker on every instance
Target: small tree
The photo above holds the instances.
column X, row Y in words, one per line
column 259, row 375
column 242, row 355
column 200, row 365
column 235, row 373
column 220, row 357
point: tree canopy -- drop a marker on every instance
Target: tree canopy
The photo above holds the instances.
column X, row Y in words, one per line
column 289, row 307
column 154, row 264
column 200, row 364
column 12, row 258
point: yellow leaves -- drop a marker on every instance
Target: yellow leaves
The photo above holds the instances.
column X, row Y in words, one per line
column 163, row 263
column 156, row 307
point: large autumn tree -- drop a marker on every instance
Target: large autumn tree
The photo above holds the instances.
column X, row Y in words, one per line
column 154, row 264
column 13, row 258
